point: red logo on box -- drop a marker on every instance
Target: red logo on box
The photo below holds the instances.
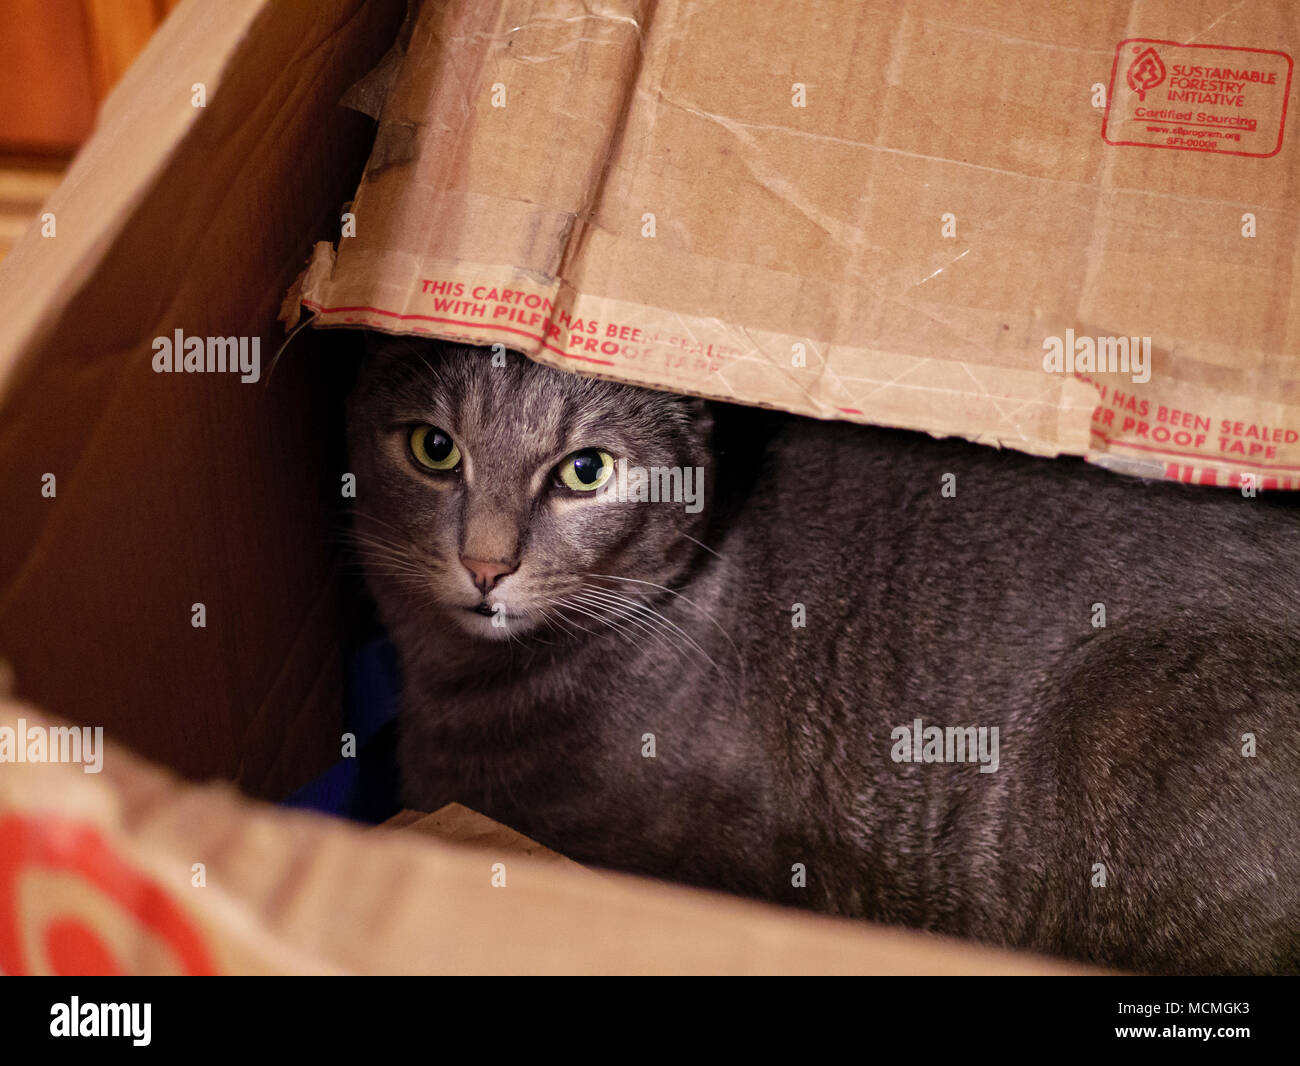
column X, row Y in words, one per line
column 81, row 944
column 1198, row 97
column 1146, row 72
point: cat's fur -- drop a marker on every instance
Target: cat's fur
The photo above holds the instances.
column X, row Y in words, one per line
column 1120, row 745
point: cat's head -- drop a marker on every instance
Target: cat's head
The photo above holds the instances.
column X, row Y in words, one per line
column 498, row 497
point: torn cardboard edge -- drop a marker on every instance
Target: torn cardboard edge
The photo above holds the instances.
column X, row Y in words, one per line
column 1030, row 411
column 556, row 326
column 455, row 823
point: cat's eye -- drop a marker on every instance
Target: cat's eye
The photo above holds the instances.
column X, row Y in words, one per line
column 433, row 448
column 587, row 470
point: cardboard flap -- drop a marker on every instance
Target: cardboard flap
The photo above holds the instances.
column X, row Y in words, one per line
column 855, row 210
column 127, row 870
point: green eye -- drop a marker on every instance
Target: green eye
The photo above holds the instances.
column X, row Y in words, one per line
column 434, row 449
column 587, row 470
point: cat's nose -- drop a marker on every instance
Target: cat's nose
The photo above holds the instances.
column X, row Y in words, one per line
column 486, row 575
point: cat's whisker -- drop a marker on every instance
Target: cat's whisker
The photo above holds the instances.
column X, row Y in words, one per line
column 559, row 617
column 609, row 623
column 368, row 557
column 366, row 516
column 665, row 639
column 405, row 544
column 655, row 614
column 535, row 639
column 522, row 639
column 381, row 557
column 434, row 377
column 405, row 549
column 553, row 617
column 648, row 615
column 702, row 545
column 660, row 636
column 369, row 540
column 360, row 548
column 412, row 579
column 361, row 540
column 381, row 560
column 674, row 592
column 569, row 605
column 413, row 576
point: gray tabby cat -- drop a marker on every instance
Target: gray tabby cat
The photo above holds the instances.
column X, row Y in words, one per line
column 727, row 693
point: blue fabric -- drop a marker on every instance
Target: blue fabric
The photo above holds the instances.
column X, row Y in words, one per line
column 363, row 788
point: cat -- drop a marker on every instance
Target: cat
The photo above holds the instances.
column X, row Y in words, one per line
column 745, row 696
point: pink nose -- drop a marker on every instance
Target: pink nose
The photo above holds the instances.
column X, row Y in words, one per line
column 486, row 575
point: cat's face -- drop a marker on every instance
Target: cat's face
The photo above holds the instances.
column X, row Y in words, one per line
column 494, row 498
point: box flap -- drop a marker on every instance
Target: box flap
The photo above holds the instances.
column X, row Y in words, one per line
column 862, row 211
column 154, row 876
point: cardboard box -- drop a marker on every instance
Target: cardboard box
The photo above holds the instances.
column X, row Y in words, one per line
column 775, row 226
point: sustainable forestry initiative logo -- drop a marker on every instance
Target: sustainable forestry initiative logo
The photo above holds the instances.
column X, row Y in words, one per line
column 1197, row 97
column 1146, row 72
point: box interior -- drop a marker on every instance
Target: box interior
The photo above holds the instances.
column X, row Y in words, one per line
column 177, row 489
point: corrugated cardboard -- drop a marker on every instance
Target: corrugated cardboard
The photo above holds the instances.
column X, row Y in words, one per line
column 458, row 824
column 863, row 210
column 174, row 490
column 128, row 870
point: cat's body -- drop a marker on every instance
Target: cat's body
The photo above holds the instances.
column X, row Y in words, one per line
column 775, row 746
